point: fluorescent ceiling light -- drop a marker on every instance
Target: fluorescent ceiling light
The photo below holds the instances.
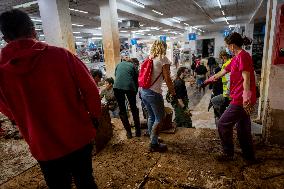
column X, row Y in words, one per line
column 25, row 5
column 98, row 34
column 99, row 28
column 154, row 28
column 141, row 25
column 79, row 25
column 76, row 10
column 41, row 35
column 223, row 13
column 227, row 21
column 119, row 20
column 123, row 31
column 96, row 38
column 38, row 29
column 136, row 3
column 165, row 30
column 78, row 37
column 186, row 24
column 36, row 20
column 148, row 34
column 157, row 12
column 175, row 20
column 219, row 3
column 76, row 32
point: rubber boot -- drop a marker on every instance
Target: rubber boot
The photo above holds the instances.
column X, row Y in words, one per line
column 125, row 122
column 137, row 123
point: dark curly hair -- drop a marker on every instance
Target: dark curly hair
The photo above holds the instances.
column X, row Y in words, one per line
column 237, row 39
column 110, row 80
column 15, row 24
column 181, row 70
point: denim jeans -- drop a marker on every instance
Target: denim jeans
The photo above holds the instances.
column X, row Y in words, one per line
column 154, row 103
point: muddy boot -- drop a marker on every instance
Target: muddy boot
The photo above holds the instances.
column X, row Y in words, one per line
column 158, row 147
column 137, row 123
column 125, row 122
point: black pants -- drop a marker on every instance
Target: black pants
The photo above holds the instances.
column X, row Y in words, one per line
column 131, row 96
column 58, row 173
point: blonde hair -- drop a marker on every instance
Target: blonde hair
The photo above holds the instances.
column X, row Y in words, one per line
column 159, row 49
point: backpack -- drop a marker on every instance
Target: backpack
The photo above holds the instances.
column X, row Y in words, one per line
column 145, row 74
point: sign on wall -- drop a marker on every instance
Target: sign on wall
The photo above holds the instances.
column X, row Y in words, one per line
column 192, row 36
column 163, row 38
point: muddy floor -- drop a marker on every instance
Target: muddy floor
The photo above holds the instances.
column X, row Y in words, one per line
column 189, row 163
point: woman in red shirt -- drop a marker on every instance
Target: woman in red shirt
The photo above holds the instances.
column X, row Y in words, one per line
column 243, row 95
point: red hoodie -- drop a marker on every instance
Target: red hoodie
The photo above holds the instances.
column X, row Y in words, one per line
column 50, row 94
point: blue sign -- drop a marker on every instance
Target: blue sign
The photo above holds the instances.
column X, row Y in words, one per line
column 163, row 38
column 192, row 36
column 133, row 41
column 92, row 46
column 226, row 33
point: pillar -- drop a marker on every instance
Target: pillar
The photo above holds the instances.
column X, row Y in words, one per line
column 109, row 25
column 265, row 59
column 249, row 33
column 56, row 23
column 272, row 88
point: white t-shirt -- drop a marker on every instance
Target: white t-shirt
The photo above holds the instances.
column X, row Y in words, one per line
column 157, row 69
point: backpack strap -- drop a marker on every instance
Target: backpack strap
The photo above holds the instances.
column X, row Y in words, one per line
column 157, row 78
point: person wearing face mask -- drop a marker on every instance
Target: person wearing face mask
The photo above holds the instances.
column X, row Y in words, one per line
column 182, row 118
column 243, row 95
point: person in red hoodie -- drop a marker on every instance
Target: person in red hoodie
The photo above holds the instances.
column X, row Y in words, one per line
column 53, row 99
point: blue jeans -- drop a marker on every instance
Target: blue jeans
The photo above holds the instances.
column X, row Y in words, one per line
column 154, row 103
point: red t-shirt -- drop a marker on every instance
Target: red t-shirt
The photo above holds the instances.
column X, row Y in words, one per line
column 241, row 62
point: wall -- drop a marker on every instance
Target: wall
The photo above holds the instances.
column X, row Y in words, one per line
column 272, row 90
column 219, row 41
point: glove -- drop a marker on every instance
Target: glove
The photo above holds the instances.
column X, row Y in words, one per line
column 211, row 79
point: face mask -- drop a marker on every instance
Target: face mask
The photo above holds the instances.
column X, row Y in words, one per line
column 229, row 51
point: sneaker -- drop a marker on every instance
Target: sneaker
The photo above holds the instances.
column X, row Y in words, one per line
column 158, row 148
column 224, row 157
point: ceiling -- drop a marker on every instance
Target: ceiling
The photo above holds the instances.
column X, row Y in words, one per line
column 203, row 14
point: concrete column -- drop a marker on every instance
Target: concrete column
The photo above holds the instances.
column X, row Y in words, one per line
column 56, row 22
column 265, row 59
column 109, row 24
column 249, row 33
column 273, row 91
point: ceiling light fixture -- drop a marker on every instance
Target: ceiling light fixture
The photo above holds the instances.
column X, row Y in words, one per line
column 79, row 25
column 219, row 3
column 175, row 20
column 98, row 34
column 36, row 20
column 78, row 37
column 136, row 3
column 157, row 12
column 76, row 10
column 76, row 32
column 223, row 13
column 25, row 5
column 119, row 20
column 186, row 24
column 123, row 31
column 38, row 29
column 227, row 21
column 41, row 35
column 96, row 38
